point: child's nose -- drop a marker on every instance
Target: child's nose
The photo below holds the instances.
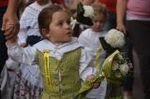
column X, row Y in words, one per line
column 67, row 25
column 98, row 23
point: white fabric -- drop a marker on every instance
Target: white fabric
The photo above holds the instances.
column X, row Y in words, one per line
column 90, row 39
column 27, row 55
column 32, row 74
column 134, row 17
column 10, row 64
column 98, row 93
column 29, row 21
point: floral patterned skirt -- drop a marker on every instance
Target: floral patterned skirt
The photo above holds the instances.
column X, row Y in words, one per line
column 24, row 88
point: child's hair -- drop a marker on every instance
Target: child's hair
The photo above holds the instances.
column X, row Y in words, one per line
column 45, row 16
column 100, row 9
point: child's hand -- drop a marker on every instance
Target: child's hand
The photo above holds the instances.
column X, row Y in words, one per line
column 23, row 44
column 96, row 83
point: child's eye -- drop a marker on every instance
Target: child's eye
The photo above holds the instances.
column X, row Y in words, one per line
column 95, row 21
column 60, row 23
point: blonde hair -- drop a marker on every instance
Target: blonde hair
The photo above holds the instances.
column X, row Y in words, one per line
column 100, row 9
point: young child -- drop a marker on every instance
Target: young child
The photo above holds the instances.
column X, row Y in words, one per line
column 29, row 32
column 90, row 38
column 96, row 30
column 28, row 82
column 63, row 62
column 23, row 4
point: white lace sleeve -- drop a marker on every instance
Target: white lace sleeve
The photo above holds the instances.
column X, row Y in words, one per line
column 86, row 64
column 22, row 55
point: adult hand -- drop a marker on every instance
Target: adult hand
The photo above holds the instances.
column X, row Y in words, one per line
column 10, row 25
column 121, row 28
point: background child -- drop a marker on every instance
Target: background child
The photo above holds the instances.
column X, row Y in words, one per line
column 29, row 32
column 90, row 38
column 63, row 62
column 23, row 4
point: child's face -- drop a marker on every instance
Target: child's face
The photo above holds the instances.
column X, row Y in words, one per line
column 59, row 29
column 98, row 22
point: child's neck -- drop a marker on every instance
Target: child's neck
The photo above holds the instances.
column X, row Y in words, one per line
column 92, row 28
column 57, row 44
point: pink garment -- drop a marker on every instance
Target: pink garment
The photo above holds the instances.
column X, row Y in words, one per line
column 140, row 8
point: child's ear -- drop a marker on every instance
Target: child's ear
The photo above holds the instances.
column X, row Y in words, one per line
column 45, row 33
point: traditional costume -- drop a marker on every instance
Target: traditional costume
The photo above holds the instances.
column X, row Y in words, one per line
column 63, row 67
